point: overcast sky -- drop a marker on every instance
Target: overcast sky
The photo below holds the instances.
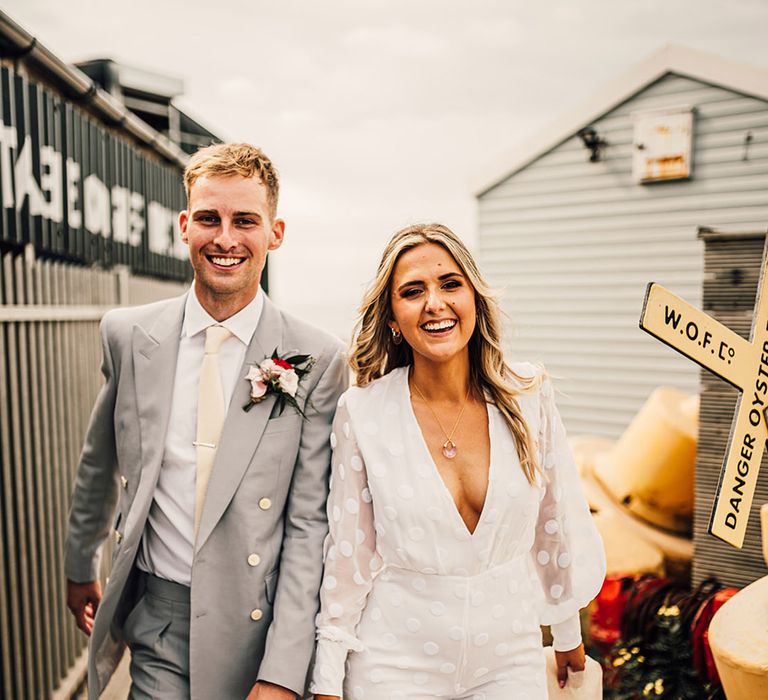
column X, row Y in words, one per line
column 380, row 113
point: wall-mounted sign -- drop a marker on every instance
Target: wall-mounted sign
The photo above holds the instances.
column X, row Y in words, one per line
column 75, row 190
column 662, row 145
column 743, row 364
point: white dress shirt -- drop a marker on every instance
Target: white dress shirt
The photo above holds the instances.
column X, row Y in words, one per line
column 167, row 546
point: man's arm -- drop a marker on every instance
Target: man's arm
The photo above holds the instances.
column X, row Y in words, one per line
column 93, row 499
column 291, row 636
column 269, row 691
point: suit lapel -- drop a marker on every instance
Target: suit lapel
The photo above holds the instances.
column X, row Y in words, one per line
column 242, row 430
column 155, row 353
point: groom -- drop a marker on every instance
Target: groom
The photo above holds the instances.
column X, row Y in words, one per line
column 218, row 511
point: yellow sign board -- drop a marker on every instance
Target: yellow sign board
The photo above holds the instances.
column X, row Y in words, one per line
column 742, row 363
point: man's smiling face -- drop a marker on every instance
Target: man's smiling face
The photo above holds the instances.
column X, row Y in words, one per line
column 229, row 230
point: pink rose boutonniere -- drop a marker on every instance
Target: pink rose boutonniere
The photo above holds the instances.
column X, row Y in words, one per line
column 281, row 376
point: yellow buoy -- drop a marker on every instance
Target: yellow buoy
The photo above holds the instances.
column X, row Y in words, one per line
column 738, row 636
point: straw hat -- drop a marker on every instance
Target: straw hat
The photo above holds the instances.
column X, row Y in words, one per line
column 626, row 550
column 587, row 452
column 650, row 470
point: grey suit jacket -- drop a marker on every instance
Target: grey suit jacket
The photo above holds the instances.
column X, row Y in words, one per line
column 282, row 458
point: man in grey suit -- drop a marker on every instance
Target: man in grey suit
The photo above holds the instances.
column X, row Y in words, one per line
column 218, row 513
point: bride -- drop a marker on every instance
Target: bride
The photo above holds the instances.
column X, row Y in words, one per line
column 457, row 520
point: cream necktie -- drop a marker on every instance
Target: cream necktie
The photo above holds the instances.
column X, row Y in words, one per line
column 211, row 410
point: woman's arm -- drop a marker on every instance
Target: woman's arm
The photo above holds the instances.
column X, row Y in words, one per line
column 567, row 551
column 350, row 558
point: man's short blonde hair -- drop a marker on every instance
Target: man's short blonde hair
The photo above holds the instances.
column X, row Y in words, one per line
column 223, row 159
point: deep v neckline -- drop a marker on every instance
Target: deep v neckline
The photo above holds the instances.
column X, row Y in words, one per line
column 436, row 472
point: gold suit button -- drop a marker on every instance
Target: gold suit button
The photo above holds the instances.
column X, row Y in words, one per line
column 265, row 504
column 254, row 560
column 124, row 481
column 256, row 615
column 118, row 537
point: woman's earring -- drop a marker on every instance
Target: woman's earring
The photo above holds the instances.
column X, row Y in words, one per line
column 397, row 336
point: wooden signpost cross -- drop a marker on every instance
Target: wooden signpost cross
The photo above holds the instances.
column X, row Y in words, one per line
column 741, row 363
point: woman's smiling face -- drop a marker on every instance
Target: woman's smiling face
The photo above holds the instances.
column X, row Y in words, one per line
column 433, row 303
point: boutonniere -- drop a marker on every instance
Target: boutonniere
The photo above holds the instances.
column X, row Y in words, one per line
column 281, row 376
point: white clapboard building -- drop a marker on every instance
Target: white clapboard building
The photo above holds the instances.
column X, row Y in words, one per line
column 573, row 226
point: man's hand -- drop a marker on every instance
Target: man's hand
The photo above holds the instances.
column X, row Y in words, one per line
column 269, row 691
column 83, row 601
column 327, row 697
column 573, row 659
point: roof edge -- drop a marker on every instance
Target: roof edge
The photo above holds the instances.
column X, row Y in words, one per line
column 672, row 58
column 80, row 86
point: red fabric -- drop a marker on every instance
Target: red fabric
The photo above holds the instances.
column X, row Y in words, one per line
column 618, row 592
column 611, row 603
column 702, row 653
column 605, row 621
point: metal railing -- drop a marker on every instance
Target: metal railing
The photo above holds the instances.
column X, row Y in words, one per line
column 50, row 354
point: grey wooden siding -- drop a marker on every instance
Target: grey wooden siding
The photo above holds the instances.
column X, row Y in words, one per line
column 572, row 245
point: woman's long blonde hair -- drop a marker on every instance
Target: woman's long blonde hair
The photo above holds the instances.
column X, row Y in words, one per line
column 374, row 354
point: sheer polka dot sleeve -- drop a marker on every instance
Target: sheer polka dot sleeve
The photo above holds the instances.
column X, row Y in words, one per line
column 567, row 551
column 350, row 558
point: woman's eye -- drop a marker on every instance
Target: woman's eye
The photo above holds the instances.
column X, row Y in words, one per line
column 411, row 292
column 452, row 284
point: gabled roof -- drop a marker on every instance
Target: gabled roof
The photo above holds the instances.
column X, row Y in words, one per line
column 700, row 65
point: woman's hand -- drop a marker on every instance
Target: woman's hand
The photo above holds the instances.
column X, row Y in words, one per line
column 573, row 659
column 327, row 697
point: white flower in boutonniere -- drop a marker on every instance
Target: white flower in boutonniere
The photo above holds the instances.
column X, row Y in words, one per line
column 278, row 375
column 289, row 382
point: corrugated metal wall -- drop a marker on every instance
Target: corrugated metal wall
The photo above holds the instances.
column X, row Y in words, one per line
column 50, row 352
column 732, row 266
column 573, row 244
column 73, row 189
column 46, row 383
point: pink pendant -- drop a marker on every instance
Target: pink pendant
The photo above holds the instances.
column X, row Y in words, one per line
column 449, row 449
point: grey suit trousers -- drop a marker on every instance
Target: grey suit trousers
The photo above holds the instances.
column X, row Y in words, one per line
column 157, row 633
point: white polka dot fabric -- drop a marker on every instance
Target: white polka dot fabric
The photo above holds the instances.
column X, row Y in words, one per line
column 413, row 605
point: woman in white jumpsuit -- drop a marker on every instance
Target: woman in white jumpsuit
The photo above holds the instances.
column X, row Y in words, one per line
column 443, row 556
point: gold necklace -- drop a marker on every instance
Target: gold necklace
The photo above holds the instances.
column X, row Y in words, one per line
column 449, row 446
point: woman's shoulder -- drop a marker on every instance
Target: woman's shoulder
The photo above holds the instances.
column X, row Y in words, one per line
column 529, row 375
column 373, row 392
column 526, row 371
column 533, row 379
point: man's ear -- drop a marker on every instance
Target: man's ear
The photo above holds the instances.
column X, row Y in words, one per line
column 278, row 232
column 183, row 221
